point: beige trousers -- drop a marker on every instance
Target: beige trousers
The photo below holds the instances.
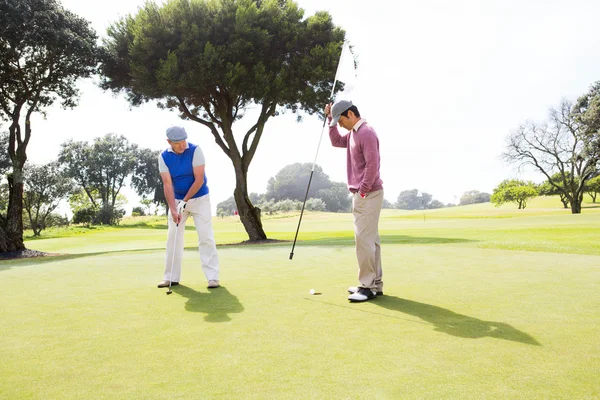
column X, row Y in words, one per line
column 366, row 234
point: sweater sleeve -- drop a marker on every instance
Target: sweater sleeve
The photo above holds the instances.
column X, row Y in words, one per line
column 337, row 140
column 370, row 149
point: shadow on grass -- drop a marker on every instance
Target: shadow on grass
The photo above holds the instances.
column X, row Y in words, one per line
column 217, row 304
column 387, row 239
column 454, row 324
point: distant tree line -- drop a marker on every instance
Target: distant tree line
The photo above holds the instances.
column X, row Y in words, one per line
column 287, row 189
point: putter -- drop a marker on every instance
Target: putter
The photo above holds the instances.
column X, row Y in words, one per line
column 173, row 262
column 174, row 250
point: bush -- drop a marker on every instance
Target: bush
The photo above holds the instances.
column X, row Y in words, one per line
column 315, row 205
column 84, row 215
column 105, row 216
column 109, row 215
column 56, row 220
column 268, row 207
column 288, row 205
column 137, row 212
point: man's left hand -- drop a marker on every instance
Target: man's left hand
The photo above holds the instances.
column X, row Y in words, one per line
column 181, row 207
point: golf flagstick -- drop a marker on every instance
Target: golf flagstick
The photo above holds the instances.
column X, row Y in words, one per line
column 318, row 146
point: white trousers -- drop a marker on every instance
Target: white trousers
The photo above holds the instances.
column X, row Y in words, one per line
column 199, row 209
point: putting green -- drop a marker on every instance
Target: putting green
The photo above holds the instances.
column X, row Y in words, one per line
column 456, row 321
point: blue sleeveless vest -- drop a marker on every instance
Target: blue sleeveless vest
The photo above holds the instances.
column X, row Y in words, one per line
column 182, row 172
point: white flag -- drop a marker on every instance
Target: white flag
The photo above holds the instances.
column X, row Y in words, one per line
column 346, row 73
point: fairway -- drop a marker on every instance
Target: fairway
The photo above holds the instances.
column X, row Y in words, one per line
column 475, row 306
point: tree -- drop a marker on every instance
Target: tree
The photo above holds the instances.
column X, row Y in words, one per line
column 5, row 166
column 435, row 204
column 291, row 182
column 552, row 188
column 514, row 191
column 592, row 187
column 474, row 197
column 147, row 203
column 210, row 61
column 336, row 198
column 387, row 204
column 138, row 211
column 5, row 162
column 563, row 145
column 227, row 207
column 146, row 177
column 45, row 186
column 79, row 199
column 413, row 200
column 84, row 211
column 586, row 112
column 3, row 201
column 101, row 168
column 44, row 49
column 315, row 205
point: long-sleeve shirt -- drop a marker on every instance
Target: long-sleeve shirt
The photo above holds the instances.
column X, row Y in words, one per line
column 362, row 150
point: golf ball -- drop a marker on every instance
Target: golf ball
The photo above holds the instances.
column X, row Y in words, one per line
column 312, row 291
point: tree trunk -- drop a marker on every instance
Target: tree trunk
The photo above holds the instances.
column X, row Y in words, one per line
column 249, row 215
column 576, row 206
column 11, row 234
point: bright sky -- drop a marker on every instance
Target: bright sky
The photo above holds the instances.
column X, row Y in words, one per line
column 442, row 82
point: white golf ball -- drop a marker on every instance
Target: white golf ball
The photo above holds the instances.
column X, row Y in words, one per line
column 312, row 291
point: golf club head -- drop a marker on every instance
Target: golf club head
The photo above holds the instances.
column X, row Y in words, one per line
column 169, row 292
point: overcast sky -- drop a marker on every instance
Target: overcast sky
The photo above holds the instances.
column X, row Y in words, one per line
column 442, row 82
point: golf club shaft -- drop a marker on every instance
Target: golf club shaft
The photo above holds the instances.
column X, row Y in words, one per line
column 174, row 250
column 306, row 196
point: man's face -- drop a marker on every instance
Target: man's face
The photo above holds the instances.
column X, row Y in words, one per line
column 178, row 147
column 345, row 122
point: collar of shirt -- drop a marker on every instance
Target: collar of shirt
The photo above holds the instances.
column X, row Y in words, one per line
column 187, row 146
column 358, row 124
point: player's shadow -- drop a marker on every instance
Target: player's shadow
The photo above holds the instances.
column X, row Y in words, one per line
column 455, row 324
column 217, row 304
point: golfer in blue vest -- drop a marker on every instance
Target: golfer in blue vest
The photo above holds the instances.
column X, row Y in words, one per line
column 181, row 169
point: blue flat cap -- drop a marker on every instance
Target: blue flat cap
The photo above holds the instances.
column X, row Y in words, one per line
column 176, row 134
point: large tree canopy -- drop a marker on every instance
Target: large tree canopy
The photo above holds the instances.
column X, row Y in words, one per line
column 44, row 49
column 211, row 60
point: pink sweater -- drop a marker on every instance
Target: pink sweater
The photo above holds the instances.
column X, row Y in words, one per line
column 362, row 148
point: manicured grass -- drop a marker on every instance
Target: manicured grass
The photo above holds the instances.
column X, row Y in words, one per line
column 467, row 313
